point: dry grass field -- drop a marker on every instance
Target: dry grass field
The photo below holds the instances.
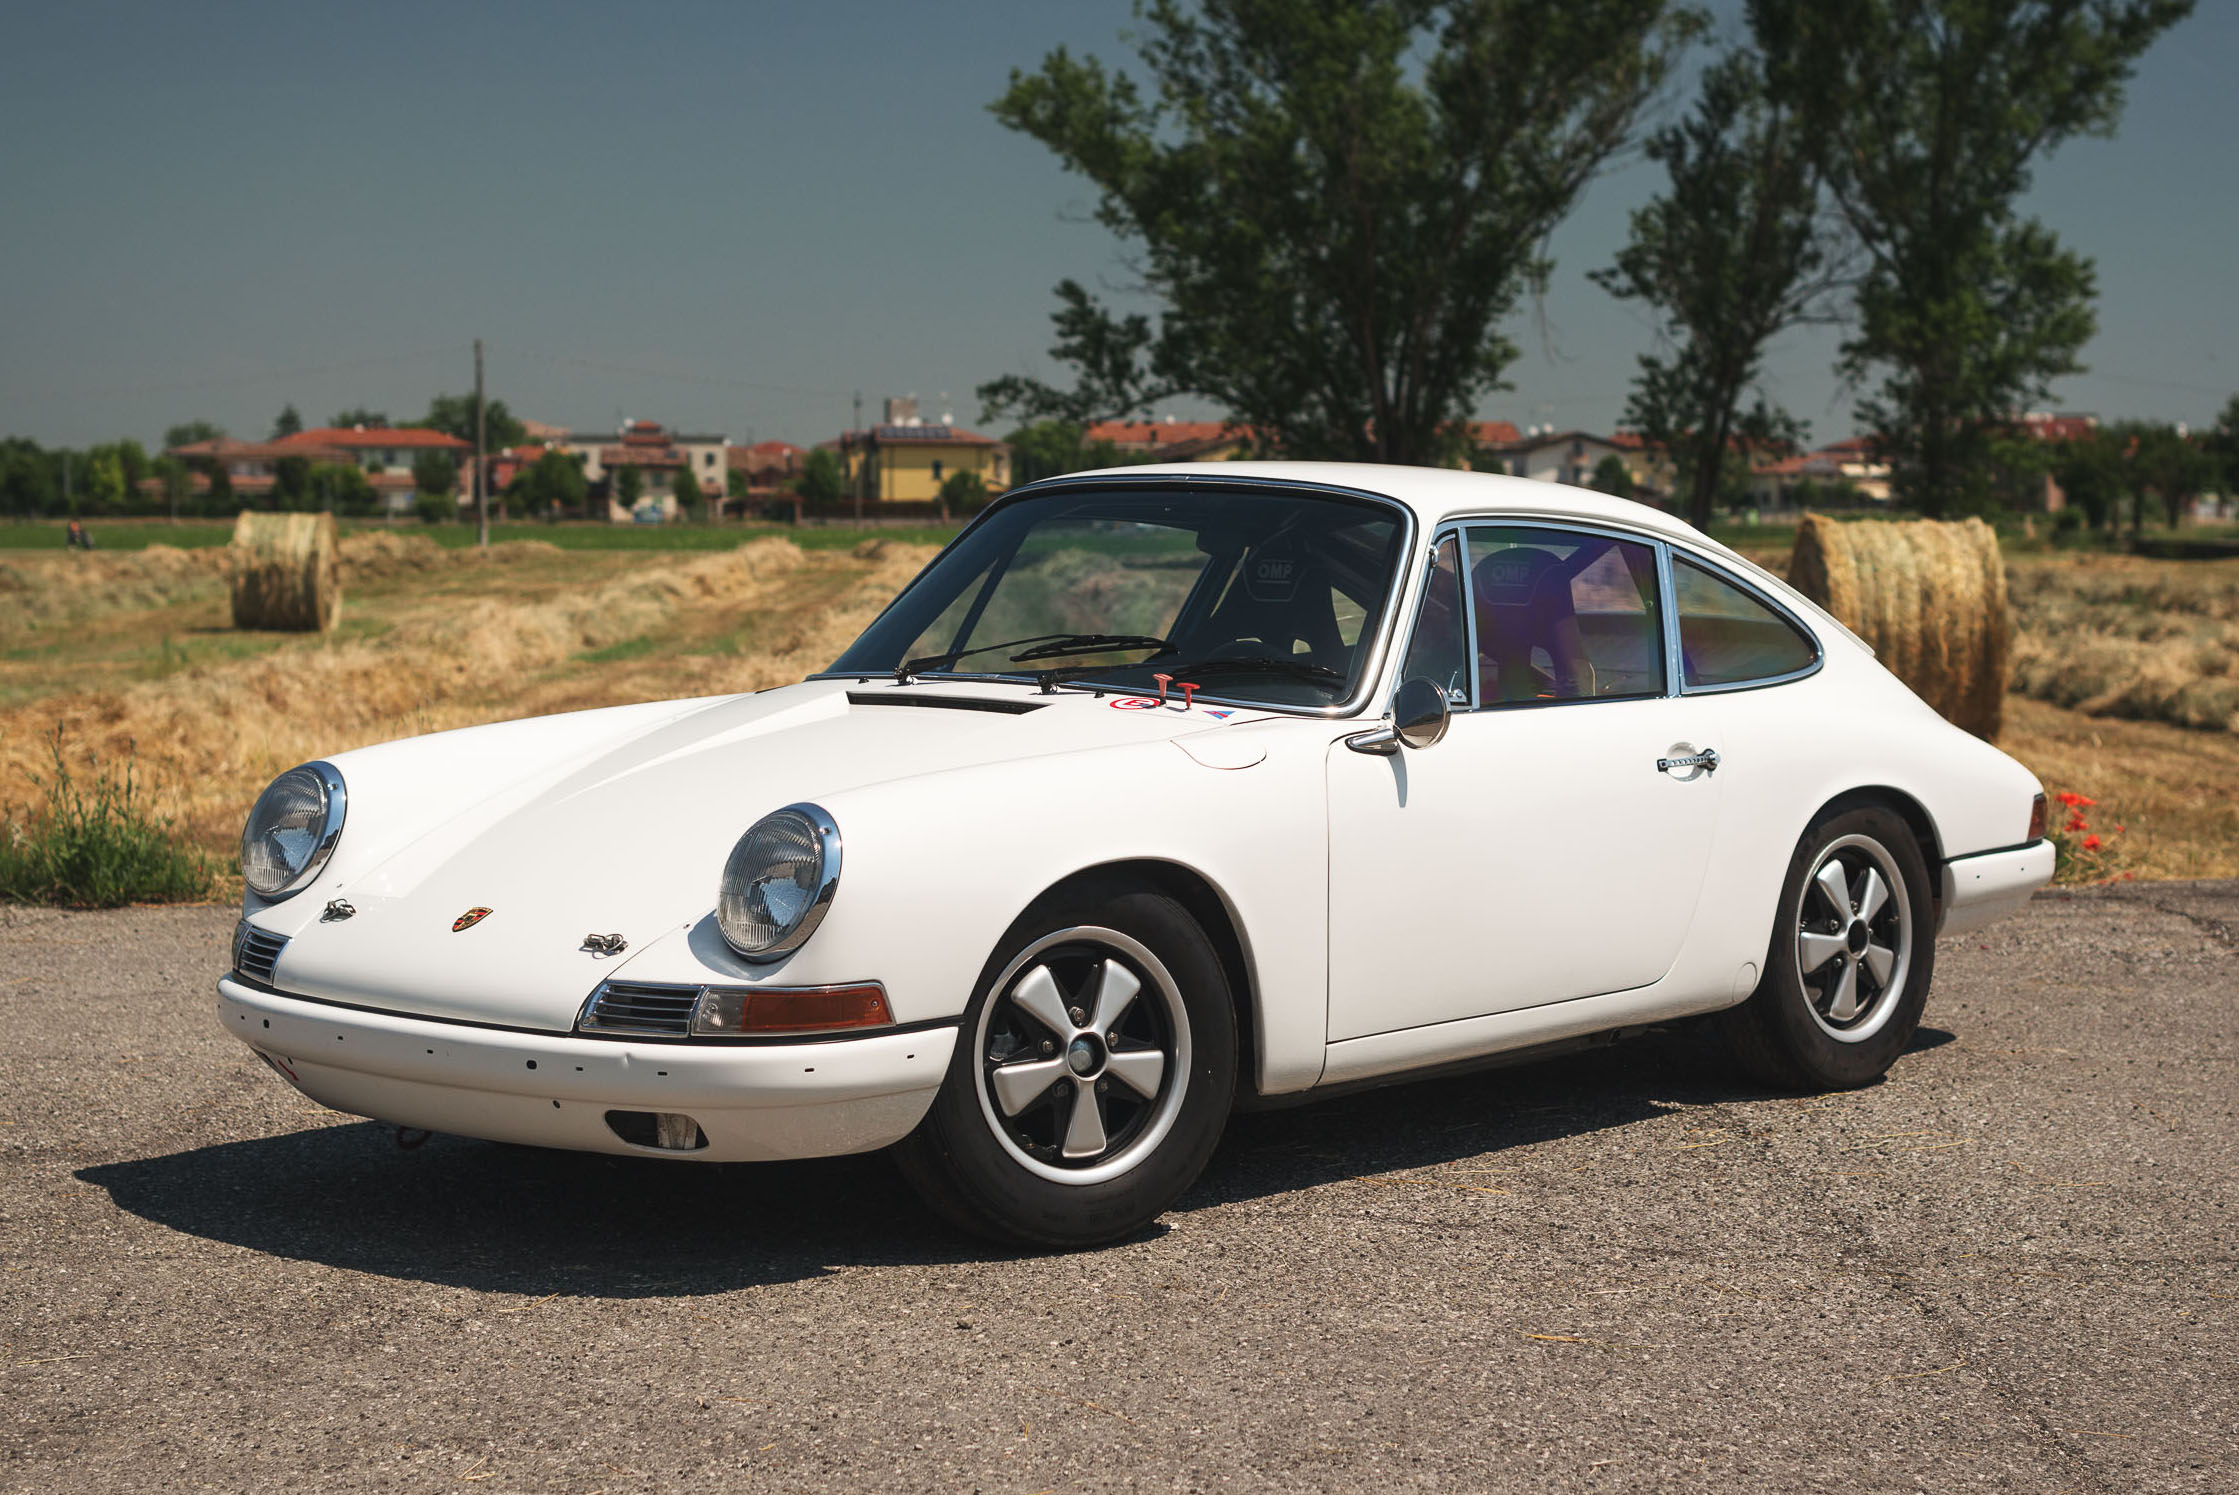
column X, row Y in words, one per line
column 2126, row 670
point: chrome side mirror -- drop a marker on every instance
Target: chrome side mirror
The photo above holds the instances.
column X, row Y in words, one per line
column 1419, row 719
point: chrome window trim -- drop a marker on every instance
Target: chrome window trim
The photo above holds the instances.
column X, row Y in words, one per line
column 1752, row 590
column 330, row 830
column 1374, row 664
column 1665, row 622
column 829, row 847
column 1421, row 594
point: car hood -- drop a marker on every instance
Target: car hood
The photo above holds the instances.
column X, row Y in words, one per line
column 627, row 833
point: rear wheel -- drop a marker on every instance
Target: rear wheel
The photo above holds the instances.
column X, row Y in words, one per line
column 1092, row 1076
column 1853, row 951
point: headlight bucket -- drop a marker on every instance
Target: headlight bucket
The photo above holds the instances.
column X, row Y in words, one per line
column 778, row 882
column 291, row 830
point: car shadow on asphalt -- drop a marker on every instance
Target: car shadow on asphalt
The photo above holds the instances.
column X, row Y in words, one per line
column 492, row 1218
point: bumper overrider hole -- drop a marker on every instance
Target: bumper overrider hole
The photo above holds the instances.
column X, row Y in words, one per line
column 669, row 1131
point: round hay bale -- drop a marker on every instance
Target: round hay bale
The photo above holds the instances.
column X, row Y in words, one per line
column 1929, row 596
column 286, row 571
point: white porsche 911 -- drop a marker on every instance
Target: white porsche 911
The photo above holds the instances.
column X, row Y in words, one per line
column 1159, row 791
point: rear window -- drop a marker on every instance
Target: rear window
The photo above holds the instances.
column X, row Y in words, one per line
column 1727, row 636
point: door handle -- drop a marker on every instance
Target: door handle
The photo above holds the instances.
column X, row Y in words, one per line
column 1706, row 760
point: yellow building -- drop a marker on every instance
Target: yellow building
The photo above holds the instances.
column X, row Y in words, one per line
column 909, row 463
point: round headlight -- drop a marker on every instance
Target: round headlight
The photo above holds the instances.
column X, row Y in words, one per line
column 292, row 830
column 778, row 882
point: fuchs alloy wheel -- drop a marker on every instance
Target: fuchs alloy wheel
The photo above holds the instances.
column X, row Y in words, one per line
column 1092, row 1077
column 1853, row 951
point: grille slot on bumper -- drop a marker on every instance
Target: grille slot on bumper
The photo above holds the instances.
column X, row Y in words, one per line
column 640, row 1007
column 256, row 952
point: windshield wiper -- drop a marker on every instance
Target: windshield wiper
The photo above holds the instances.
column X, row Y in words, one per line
column 1051, row 646
column 1262, row 664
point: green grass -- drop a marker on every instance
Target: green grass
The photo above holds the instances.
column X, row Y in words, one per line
column 629, row 648
column 189, row 534
column 95, row 843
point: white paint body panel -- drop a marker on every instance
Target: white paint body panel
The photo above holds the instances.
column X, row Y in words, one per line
column 1365, row 931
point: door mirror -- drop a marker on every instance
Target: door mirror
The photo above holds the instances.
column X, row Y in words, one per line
column 1419, row 719
column 1419, row 713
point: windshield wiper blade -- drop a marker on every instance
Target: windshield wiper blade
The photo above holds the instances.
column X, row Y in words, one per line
column 1262, row 664
column 1092, row 643
column 1053, row 646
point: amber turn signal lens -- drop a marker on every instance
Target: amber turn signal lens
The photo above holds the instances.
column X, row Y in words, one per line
column 2036, row 819
column 752, row 1013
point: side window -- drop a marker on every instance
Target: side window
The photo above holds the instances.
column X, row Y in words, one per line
column 1440, row 648
column 1564, row 616
column 1728, row 637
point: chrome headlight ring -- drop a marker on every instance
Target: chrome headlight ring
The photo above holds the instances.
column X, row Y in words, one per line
column 779, row 881
column 292, row 830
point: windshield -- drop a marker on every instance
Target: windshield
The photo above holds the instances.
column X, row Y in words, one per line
column 1265, row 596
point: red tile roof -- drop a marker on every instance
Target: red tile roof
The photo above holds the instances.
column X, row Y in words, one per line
column 1148, row 434
column 1494, row 432
column 398, row 437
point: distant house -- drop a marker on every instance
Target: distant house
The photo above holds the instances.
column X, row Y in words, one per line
column 767, row 464
column 658, row 454
column 1563, row 456
column 1781, row 483
column 909, row 462
column 1172, row 440
column 385, row 455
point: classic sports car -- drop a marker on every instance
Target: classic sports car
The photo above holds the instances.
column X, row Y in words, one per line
column 1160, row 791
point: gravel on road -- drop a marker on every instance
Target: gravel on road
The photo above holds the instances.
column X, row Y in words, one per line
column 2008, row 1267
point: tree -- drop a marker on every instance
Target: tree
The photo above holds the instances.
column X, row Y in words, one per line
column 100, row 486
column 435, row 472
column 376, row 420
column 1928, row 116
column 629, row 486
column 2169, row 466
column 1613, row 477
column 187, row 433
column 1335, row 204
column 178, row 483
column 288, row 424
column 2089, row 469
column 342, row 488
column 28, row 485
column 687, row 490
column 454, row 416
column 821, row 480
column 291, row 484
column 1735, row 251
column 551, row 485
column 962, row 492
column 2222, row 446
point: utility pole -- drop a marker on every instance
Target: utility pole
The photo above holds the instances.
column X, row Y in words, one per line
column 481, row 482
column 863, row 461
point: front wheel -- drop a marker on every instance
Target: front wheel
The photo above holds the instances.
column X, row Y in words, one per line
column 1092, row 1077
column 1852, row 953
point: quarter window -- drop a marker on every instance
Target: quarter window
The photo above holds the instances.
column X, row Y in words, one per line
column 1727, row 636
column 1440, row 649
column 1564, row 616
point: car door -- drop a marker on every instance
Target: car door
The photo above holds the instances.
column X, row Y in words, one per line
column 1548, row 848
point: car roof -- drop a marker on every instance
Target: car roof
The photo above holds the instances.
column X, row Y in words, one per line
column 1435, row 494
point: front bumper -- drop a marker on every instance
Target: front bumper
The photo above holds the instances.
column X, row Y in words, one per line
column 752, row 1101
column 1980, row 890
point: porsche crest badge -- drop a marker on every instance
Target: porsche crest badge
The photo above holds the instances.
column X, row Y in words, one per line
column 469, row 919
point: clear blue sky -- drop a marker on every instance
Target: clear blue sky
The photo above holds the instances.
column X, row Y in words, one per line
column 731, row 216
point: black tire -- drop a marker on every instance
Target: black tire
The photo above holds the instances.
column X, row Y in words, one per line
column 1016, row 1186
column 1788, row 1033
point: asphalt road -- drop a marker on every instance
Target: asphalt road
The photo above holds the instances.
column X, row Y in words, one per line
column 2009, row 1267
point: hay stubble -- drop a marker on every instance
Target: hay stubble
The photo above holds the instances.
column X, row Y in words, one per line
column 473, row 640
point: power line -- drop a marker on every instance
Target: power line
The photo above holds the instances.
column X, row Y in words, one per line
column 237, row 381
column 678, row 375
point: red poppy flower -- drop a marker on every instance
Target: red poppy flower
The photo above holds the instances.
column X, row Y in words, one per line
column 2091, row 843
